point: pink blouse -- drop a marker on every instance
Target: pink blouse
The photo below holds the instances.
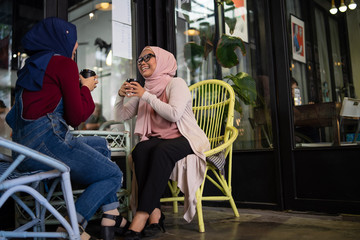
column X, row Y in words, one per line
column 162, row 128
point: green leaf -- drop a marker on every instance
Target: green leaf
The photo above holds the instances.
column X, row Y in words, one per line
column 193, row 54
column 225, row 51
column 206, row 32
column 231, row 22
column 237, row 106
column 186, row 6
column 229, row 2
column 244, row 87
column 207, row 37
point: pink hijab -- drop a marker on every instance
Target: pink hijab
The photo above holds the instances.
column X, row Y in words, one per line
column 155, row 84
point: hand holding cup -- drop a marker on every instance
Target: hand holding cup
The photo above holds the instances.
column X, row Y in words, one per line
column 131, row 88
column 88, row 78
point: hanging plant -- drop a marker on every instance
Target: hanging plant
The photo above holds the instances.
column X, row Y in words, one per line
column 225, row 51
column 206, row 38
column 193, row 54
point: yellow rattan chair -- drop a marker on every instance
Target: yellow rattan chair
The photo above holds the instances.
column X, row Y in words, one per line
column 213, row 106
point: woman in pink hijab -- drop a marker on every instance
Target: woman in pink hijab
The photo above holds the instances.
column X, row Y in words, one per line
column 167, row 129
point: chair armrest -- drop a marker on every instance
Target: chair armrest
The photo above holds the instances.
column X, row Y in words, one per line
column 35, row 155
column 227, row 142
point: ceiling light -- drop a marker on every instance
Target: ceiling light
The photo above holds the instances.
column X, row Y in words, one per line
column 192, row 32
column 333, row 9
column 104, row 6
column 342, row 7
column 352, row 5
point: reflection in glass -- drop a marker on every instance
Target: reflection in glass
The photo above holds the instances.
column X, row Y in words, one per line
column 197, row 43
column 322, row 44
column 340, row 89
column 195, row 32
column 325, row 80
column 252, row 117
column 94, row 29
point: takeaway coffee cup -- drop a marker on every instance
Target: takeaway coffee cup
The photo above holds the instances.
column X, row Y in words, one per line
column 87, row 73
column 129, row 80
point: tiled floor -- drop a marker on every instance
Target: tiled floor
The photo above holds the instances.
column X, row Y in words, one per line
column 220, row 224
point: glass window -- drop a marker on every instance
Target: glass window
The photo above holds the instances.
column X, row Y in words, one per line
column 322, row 80
column 17, row 17
column 200, row 26
column 95, row 37
column 195, row 36
column 337, row 61
column 6, row 55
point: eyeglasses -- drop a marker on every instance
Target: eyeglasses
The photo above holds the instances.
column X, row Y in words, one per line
column 145, row 58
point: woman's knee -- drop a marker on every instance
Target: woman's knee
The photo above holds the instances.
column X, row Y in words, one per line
column 117, row 174
column 137, row 154
column 138, row 149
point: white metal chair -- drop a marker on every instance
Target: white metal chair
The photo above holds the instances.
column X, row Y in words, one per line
column 13, row 182
column 118, row 139
column 119, row 142
column 118, row 136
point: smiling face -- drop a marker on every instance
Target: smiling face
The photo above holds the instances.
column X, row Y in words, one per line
column 146, row 69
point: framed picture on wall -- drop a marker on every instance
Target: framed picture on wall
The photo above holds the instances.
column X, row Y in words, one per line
column 298, row 39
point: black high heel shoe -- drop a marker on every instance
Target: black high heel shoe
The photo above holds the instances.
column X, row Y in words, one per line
column 132, row 235
column 154, row 228
column 108, row 232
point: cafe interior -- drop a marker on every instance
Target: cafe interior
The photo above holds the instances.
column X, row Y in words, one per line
column 294, row 66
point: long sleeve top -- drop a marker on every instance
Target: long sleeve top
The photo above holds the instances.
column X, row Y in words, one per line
column 179, row 110
column 61, row 80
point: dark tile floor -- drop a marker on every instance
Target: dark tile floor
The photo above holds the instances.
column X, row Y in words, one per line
column 220, row 224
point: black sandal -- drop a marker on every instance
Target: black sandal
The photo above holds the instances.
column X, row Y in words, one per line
column 108, row 232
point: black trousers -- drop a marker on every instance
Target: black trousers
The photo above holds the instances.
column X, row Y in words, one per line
column 154, row 161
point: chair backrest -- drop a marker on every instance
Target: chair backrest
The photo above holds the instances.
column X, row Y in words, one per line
column 213, row 105
column 27, row 152
column 12, row 182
